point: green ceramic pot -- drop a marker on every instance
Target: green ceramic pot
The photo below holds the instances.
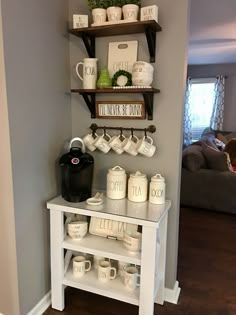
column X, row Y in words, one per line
column 104, row 80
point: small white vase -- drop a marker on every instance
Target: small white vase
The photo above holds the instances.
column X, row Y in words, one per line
column 130, row 12
column 99, row 16
column 114, row 13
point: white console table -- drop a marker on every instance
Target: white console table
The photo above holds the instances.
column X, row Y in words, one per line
column 152, row 259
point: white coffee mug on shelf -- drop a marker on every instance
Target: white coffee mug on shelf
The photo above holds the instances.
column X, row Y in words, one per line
column 96, row 260
column 89, row 76
column 80, row 266
column 146, row 147
column 122, row 266
column 105, row 271
column 89, row 140
column 102, row 143
column 77, row 229
column 129, row 145
column 131, row 278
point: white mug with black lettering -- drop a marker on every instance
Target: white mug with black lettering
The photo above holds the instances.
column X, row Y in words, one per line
column 89, row 77
column 131, row 278
column 105, row 271
column 79, row 266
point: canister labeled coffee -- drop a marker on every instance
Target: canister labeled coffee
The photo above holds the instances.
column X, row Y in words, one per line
column 116, row 183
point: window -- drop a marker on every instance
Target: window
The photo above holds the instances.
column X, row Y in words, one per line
column 202, row 97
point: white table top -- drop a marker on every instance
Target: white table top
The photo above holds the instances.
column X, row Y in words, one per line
column 143, row 213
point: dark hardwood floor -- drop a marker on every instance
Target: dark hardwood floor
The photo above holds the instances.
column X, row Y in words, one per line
column 206, row 272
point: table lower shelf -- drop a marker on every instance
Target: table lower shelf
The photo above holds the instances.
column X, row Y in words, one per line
column 114, row 289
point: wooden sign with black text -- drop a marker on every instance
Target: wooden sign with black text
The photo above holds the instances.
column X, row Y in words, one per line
column 120, row 110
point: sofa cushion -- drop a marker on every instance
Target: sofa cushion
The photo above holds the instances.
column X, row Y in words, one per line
column 216, row 159
column 193, row 158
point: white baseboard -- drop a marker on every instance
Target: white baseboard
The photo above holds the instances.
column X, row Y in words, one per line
column 42, row 305
column 172, row 295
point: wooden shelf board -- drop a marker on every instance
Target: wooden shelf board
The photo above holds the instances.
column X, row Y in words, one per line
column 102, row 246
column 117, row 29
column 114, row 289
column 110, row 90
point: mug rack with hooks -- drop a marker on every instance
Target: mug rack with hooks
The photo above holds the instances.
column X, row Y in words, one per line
column 150, row 128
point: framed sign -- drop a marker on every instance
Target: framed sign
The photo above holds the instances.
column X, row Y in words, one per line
column 120, row 110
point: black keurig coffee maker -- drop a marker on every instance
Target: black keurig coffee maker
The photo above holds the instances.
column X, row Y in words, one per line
column 76, row 173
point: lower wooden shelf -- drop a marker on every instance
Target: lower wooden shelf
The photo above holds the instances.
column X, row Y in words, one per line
column 114, row 289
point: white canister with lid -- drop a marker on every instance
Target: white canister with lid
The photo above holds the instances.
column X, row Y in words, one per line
column 116, row 183
column 157, row 190
column 137, row 187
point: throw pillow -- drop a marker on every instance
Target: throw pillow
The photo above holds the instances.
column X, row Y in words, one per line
column 216, row 160
column 193, row 159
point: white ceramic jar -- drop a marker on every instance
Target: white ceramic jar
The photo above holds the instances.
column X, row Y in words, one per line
column 116, row 183
column 137, row 187
column 157, row 190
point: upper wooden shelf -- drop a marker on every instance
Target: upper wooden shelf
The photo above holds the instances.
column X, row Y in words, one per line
column 149, row 28
column 118, row 29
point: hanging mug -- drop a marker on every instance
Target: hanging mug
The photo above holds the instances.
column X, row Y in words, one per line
column 89, row 77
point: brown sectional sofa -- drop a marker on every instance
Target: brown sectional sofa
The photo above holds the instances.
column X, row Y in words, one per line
column 206, row 180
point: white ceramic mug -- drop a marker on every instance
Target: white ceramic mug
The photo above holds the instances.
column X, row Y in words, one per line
column 131, row 278
column 96, row 260
column 77, row 229
column 116, row 143
column 89, row 140
column 79, row 266
column 146, row 147
column 132, row 241
column 89, row 77
column 122, row 266
column 105, row 271
column 129, row 145
column 102, row 144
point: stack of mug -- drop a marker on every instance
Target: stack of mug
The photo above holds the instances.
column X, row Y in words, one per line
column 107, row 270
column 120, row 144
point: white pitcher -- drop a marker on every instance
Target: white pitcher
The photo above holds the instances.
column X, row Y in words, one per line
column 89, row 77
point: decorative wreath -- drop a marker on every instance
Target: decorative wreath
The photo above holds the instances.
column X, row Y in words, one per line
column 120, row 73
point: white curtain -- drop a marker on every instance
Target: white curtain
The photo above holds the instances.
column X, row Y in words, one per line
column 217, row 116
column 188, row 115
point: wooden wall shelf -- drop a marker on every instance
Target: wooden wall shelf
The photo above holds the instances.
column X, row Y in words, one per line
column 149, row 28
column 90, row 97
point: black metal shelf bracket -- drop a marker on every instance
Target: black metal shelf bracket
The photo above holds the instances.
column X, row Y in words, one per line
column 148, row 99
column 151, row 41
column 89, row 43
column 90, row 102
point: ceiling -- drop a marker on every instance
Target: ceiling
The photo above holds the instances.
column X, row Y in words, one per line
column 212, row 32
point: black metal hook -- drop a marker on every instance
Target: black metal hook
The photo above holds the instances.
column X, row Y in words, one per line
column 145, row 133
column 132, row 132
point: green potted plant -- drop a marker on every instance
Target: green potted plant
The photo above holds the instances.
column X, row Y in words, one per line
column 130, row 9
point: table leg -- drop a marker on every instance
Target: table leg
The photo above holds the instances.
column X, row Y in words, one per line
column 161, row 261
column 148, row 264
column 57, row 259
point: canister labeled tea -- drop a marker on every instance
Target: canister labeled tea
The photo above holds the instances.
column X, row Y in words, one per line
column 157, row 190
column 116, row 183
column 137, row 187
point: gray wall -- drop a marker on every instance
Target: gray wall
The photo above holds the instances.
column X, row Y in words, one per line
column 37, row 77
column 170, row 73
column 228, row 70
column 9, row 299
